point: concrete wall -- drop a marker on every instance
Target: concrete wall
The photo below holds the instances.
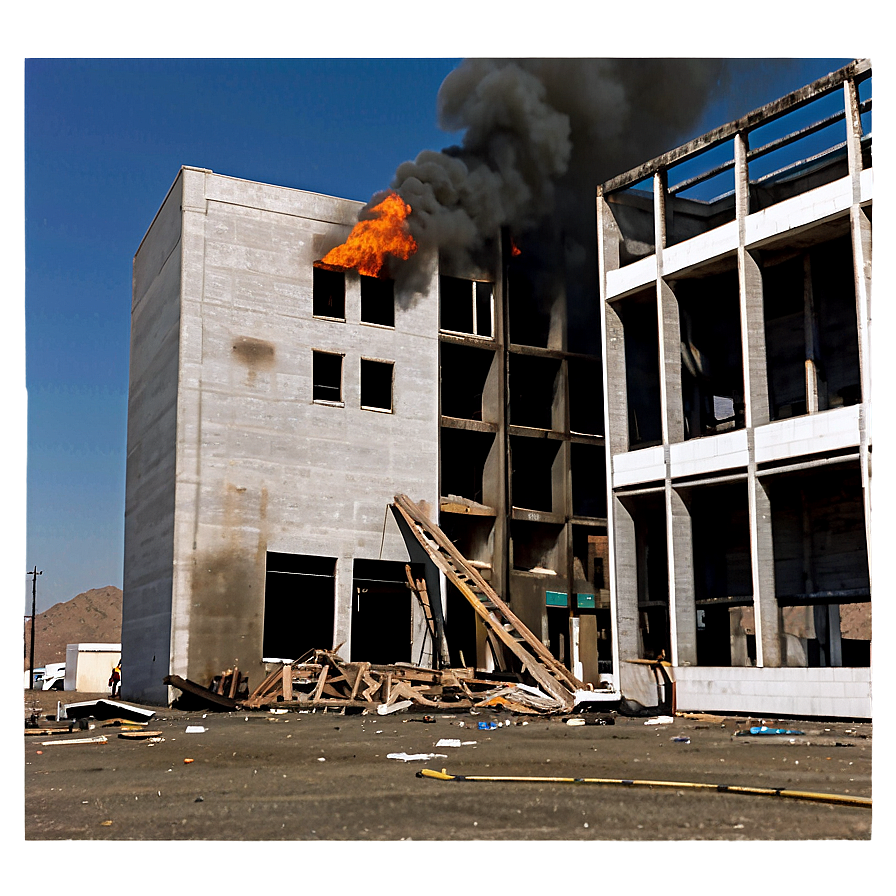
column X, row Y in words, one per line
column 151, row 439
column 261, row 466
column 834, row 692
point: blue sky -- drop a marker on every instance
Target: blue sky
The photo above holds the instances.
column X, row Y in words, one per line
column 104, row 140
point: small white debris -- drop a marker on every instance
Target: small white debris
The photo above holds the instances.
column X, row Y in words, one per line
column 409, row 757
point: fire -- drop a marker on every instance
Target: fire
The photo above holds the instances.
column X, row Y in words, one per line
column 371, row 240
column 514, row 248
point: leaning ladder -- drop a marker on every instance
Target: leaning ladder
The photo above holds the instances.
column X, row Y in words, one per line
column 535, row 658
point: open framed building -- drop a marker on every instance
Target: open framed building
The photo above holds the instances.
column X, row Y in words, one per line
column 735, row 294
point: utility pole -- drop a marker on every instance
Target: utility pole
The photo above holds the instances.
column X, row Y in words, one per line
column 34, row 574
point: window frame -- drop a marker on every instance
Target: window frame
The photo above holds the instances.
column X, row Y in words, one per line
column 368, row 407
column 340, row 402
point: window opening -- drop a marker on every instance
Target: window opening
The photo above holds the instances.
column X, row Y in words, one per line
column 382, row 611
column 329, row 293
column 299, row 604
column 376, row 384
column 466, row 306
column 378, row 301
column 327, row 377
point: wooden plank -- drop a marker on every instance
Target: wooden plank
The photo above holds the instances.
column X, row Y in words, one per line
column 214, row 700
column 362, row 669
column 266, row 685
column 287, row 682
column 320, row 683
column 234, row 683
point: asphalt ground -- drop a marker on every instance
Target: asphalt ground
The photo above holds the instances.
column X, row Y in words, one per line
column 325, row 776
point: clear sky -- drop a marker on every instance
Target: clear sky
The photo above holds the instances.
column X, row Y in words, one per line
column 104, row 139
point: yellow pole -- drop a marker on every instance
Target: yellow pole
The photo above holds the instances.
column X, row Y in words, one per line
column 839, row 799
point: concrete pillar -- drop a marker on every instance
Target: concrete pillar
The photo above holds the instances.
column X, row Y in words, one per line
column 668, row 326
column 615, row 398
column 762, row 560
column 342, row 612
column 860, row 228
column 624, row 585
column 682, row 608
column 752, row 319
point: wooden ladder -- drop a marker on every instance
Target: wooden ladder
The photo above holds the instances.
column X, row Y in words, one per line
column 547, row 671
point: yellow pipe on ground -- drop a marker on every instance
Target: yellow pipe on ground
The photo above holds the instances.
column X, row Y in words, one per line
column 839, row 799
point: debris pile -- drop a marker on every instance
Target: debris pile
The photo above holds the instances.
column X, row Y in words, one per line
column 326, row 680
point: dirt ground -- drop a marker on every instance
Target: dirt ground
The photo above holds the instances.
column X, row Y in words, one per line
column 325, row 776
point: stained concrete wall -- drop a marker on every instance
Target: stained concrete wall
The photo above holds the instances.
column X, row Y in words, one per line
column 151, row 440
column 263, row 466
column 259, row 465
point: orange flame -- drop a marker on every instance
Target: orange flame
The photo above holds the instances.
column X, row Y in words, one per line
column 371, row 240
column 514, row 248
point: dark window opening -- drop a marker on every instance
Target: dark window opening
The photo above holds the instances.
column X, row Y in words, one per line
column 535, row 467
column 464, row 455
column 468, row 391
column 811, row 331
column 821, row 565
column 378, row 301
column 299, row 605
column 466, row 306
column 649, row 516
column 460, row 629
column 590, row 561
column 586, row 397
column 471, row 534
column 529, row 313
column 642, row 370
column 329, row 293
column 536, row 546
column 382, row 612
column 558, row 633
column 711, row 354
column 589, row 480
column 327, row 377
column 535, row 386
column 723, row 578
column 376, row 384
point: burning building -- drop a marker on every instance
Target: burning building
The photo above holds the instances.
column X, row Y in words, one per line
column 288, row 380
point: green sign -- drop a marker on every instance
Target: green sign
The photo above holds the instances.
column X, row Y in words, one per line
column 585, row 601
column 556, row 599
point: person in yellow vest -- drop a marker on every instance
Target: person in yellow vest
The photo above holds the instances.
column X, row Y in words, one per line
column 115, row 679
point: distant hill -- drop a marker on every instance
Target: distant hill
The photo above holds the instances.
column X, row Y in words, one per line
column 92, row 617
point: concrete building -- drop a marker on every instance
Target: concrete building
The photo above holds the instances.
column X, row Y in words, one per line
column 277, row 407
column 735, row 293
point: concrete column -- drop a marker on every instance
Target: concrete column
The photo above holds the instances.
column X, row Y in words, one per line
column 752, row 319
column 861, row 236
column 342, row 612
column 860, row 227
column 615, row 398
column 624, row 585
column 682, row 608
column 668, row 326
column 762, row 561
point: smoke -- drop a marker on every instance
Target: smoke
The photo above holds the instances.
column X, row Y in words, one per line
column 539, row 135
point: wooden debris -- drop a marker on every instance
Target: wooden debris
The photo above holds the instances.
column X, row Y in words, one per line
column 326, row 680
